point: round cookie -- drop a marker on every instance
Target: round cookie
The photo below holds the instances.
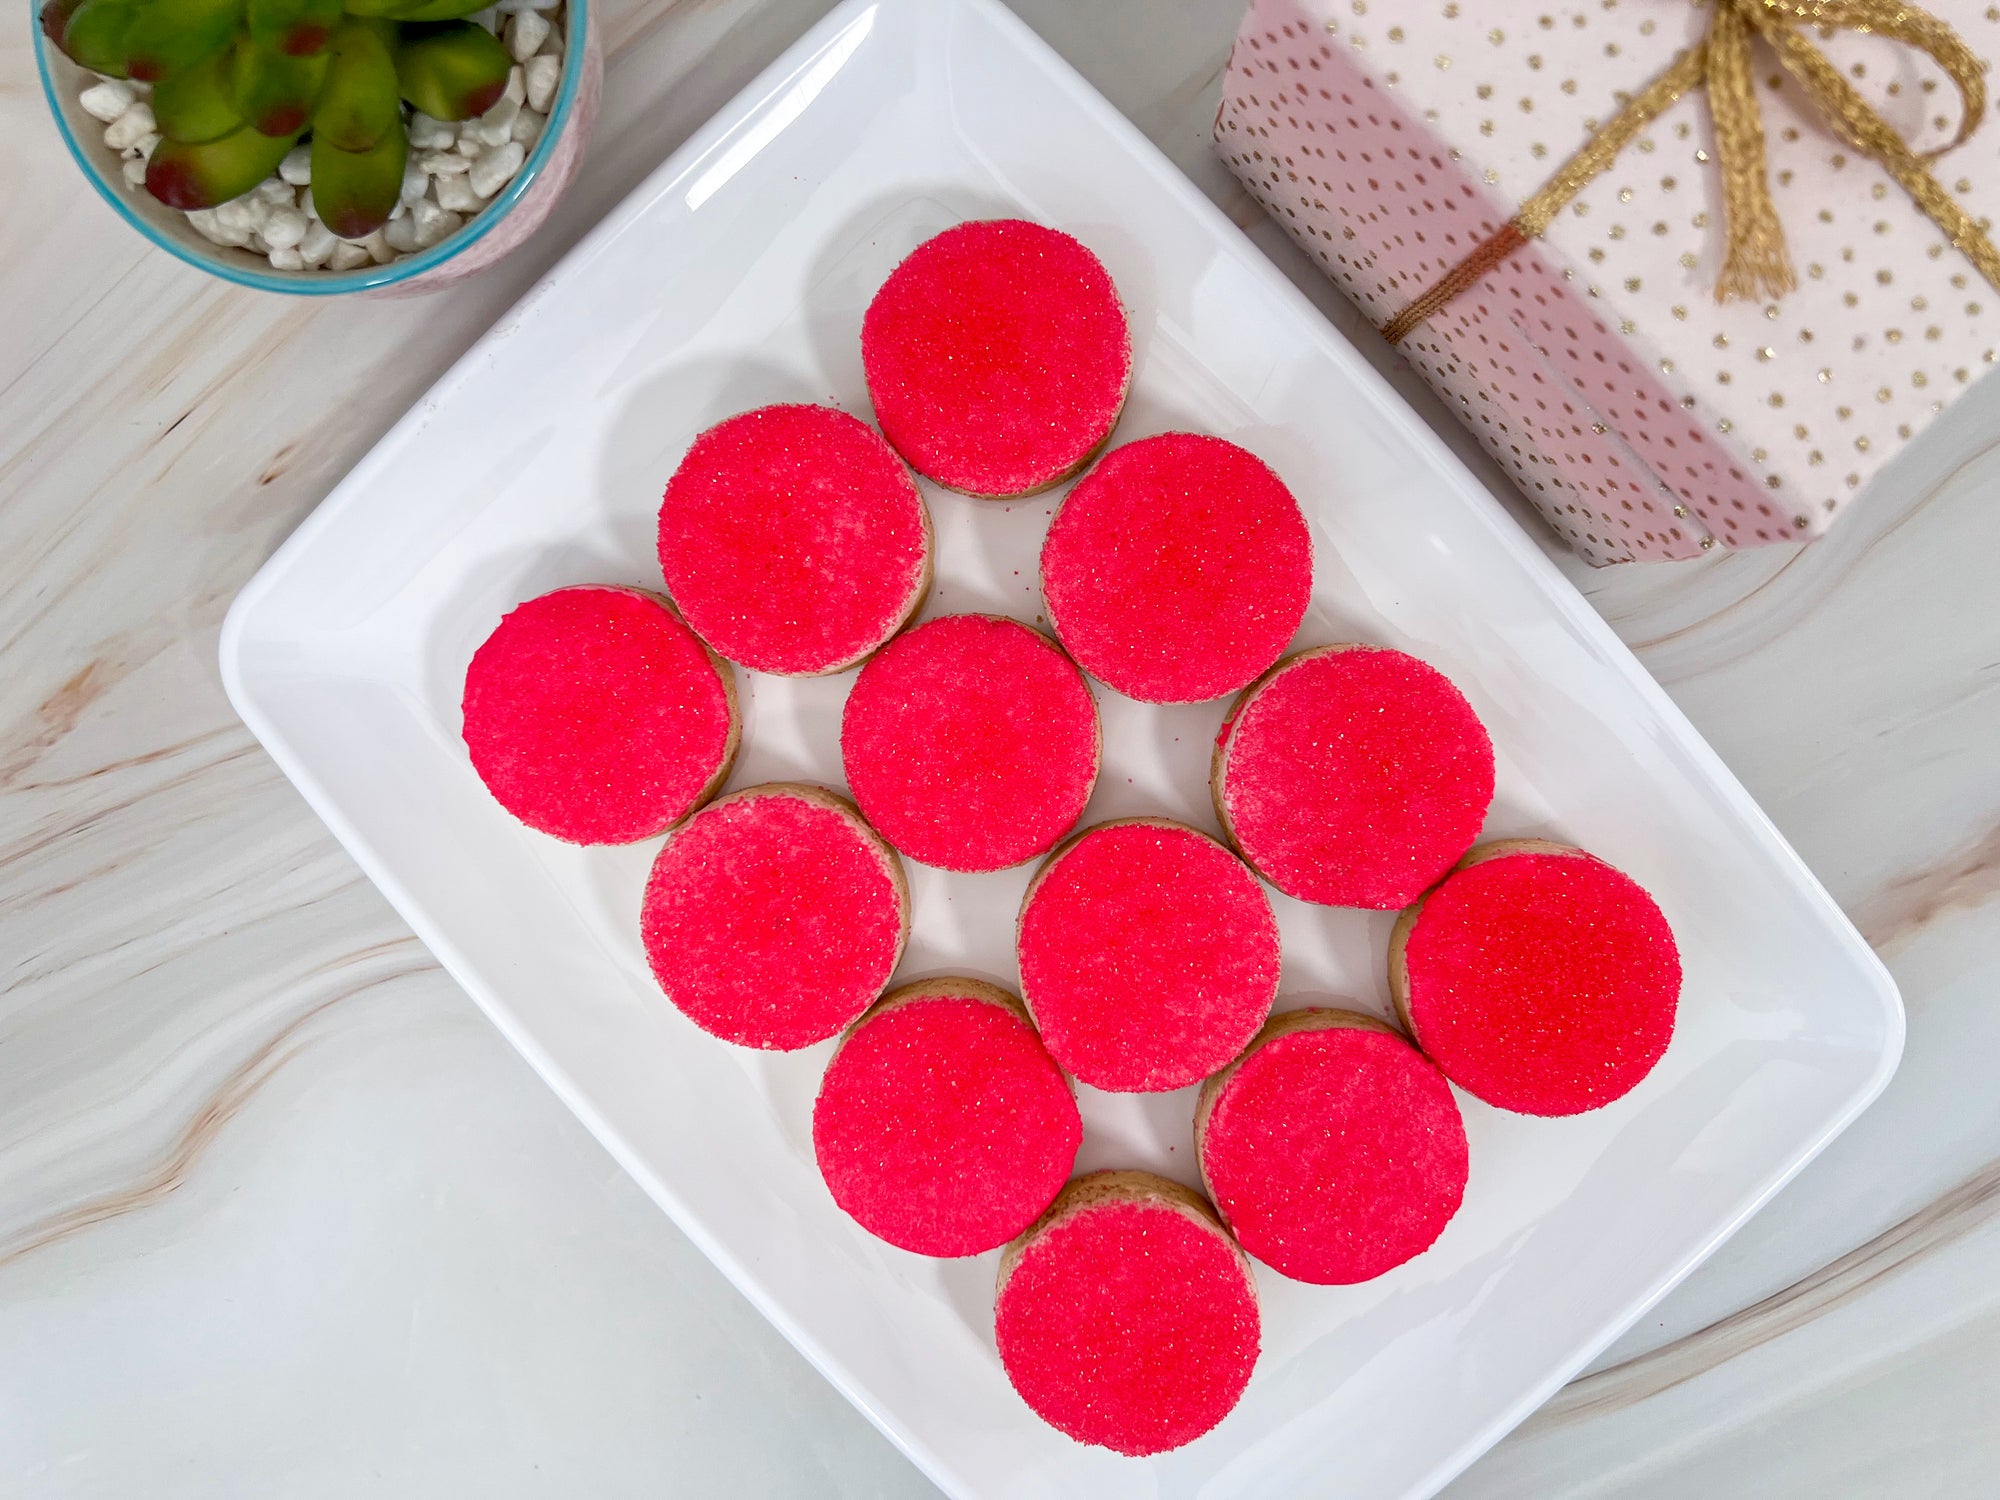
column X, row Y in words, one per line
column 595, row 716
column 998, row 357
column 793, row 540
column 1333, row 1149
column 1149, row 955
column 775, row 916
column 970, row 742
column 1127, row 1318
column 1177, row 569
column 1352, row 776
column 943, row 1125
column 1538, row 977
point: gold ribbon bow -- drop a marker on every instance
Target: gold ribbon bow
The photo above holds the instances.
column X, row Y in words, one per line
column 1756, row 263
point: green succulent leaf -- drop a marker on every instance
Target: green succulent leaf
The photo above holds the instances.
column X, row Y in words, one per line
column 95, row 34
column 354, row 192
column 188, row 176
column 451, row 70
column 55, row 18
column 195, row 105
column 385, row 9
column 444, row 10
column 273, row 90
column 360, row 102
column 297, row 28
column 168, row 35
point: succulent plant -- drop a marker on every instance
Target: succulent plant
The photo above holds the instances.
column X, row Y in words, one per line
column 238, row 84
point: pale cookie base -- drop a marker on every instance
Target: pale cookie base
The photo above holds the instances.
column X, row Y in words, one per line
column 1218, row 760
column 1098, row 1189
column 833, row 802
column 1312, row 1018
column 1406, row 923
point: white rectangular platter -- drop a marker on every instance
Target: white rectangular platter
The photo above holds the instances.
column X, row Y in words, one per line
column 737, row 275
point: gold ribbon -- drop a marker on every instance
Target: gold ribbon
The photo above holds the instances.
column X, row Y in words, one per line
column 1756, row 263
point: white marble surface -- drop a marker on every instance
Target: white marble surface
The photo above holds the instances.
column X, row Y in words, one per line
column 281, row 1215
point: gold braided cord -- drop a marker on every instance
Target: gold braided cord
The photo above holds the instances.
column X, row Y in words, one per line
column 1755, row 261
column 1685, row 72
column 1913, row 28
column 1490, row 251
column 1867, row 131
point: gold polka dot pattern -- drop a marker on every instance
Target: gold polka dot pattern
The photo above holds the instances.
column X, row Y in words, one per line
column 1642, row 417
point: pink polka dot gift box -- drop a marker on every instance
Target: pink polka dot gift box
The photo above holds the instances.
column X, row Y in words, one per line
column 1694, row 274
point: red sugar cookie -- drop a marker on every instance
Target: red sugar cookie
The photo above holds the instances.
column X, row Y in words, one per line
column 970, row 742
column 594, row 715
column 1149, row 955
column 775, row 916
column 1539, row 978
column 1127, row 1317
column 1333, row 1150
column 793, row 540
column 1177, row 569
column 997, row 357
column 943, row 1125
column 1352, row 776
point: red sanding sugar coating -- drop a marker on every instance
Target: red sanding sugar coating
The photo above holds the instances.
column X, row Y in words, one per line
column 774, row 917
column 970, row 742
column 793, row 540
column 1149, row 956
column 1177, row 569
column 943, row 1125
column 1335, row 1152
column 1543, row 983
column 594, row 715
column 997, row 357
column 1129, row 1325
column 1353, row 776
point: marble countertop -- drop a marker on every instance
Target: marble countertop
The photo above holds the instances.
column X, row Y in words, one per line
column 282, row 1215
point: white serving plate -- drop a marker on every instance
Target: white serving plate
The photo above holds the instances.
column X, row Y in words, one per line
column 737, row 274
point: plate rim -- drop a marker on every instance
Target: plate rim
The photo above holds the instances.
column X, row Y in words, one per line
column 1563, row 596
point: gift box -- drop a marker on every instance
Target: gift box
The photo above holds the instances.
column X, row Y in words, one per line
column 1539, row 204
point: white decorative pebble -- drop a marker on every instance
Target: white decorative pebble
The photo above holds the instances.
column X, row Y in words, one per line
column 277, row 192
column 210, row 228
column 415, row 182
column 427, row 134
column 318, row 245
column 142, row 148
column 131, row 127
column 284, row 228
column 542, row 76
column 106, row 99
column 285, row 258
column 443, row 163
column 456, row 194
column 378, row 249
column 496, row 126
column 489, row 18
column 511, row 7
column 402, row 233
column 492, row 171
column 134, row 168
column 552, row 44
column 470, row 145
column 527, row 128
column 526, row 33
column 517, row 85
column 296, row 168
column 348, row 257
column 431, row 230
column 242, row 215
